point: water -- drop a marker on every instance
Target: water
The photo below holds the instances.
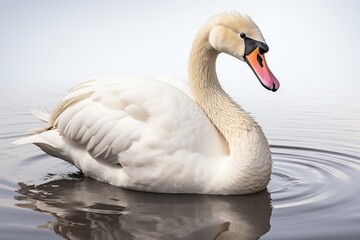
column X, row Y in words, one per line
column 314, row 192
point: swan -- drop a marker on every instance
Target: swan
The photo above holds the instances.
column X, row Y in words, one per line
column 159, row 134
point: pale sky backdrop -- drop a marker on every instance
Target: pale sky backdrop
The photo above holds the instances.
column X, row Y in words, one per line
column 314, row 44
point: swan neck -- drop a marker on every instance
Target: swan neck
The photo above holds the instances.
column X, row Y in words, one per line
column 225, row 114
column 249, row 158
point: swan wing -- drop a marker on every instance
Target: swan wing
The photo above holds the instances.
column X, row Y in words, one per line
column 135, row 121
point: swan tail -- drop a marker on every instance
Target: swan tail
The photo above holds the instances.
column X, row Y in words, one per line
column 35, row 134
column 48, row 141
column 30, row 139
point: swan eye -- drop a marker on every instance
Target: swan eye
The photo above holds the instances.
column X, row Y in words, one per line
column 242, row 35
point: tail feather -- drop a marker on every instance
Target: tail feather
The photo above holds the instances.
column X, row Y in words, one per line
column 48, row 137
column 42, row 115
column 39, row 136
column 30, row 139
column 48, row 141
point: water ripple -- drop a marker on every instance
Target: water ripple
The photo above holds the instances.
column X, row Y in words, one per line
column 304, row 177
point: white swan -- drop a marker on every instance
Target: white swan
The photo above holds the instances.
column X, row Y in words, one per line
column 159, row 135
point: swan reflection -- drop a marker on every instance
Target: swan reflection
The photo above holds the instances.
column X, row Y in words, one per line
column 88, row 209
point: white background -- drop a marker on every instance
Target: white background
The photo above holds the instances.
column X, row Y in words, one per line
column 314, row 45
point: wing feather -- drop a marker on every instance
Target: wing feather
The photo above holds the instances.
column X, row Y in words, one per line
column 137, row 121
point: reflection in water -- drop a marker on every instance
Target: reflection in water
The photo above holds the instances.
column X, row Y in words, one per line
column 88, row 209
column 315, row 191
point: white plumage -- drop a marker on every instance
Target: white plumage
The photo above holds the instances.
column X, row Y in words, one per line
column 158, row 134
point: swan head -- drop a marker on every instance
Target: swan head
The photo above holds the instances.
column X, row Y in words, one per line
column 239, row 36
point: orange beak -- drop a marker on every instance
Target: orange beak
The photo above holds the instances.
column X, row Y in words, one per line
column 256, row 61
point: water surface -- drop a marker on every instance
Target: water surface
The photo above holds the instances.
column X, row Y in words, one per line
column 314, row 192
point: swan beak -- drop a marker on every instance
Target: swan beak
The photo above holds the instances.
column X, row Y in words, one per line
column 256, row 60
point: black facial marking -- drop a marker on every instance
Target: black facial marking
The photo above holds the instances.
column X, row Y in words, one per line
column 262, row 50
column 251, row 45
column 260, row 60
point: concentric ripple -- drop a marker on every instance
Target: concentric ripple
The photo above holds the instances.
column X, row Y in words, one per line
column 304, row 177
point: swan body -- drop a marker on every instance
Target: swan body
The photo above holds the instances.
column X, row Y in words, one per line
column 160, row 134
